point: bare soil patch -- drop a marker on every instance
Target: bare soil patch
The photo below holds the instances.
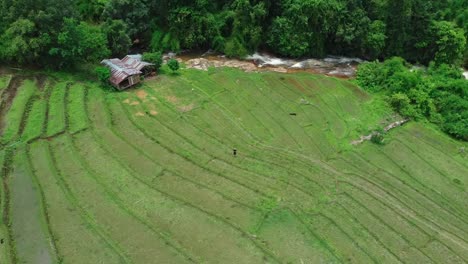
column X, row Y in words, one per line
column 186, row 108
column 172, row 99
column 142, row 94
column 41, row 81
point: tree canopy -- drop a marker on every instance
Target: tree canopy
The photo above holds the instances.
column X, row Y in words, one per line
column 417, row 30
column 439, row 94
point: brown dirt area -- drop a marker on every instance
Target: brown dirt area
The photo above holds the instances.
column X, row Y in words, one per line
column 142, row 94
column 172, row 99
column 186, row 108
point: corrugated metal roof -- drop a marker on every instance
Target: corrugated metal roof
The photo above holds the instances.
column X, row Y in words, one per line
column 128, row 66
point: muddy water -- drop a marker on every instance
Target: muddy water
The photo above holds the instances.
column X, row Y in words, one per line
column 333, row 66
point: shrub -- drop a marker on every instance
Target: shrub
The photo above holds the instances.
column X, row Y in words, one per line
column 378, row 137
column 439, row 94
column 370, row 76
column 153, row 57
column 103, row 74
column 173, row 64
column 162, row 41
column 234, row 48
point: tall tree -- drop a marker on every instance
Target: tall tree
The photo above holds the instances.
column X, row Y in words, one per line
column 449, row 41
column 303, row 27
column 117, row 38
column 398, row 26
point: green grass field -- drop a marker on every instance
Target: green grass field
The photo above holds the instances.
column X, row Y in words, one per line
column 148, row 175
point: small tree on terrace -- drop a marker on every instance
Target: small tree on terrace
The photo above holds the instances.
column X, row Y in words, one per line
column 103, row 74
column 173, row 64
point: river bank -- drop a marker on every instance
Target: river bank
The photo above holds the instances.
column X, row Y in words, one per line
column 341, row 67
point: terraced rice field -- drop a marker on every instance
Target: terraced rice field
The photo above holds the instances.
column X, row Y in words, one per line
column 148, row 175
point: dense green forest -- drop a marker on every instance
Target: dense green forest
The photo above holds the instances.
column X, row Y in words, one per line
column 438, row 94
column 62, row 33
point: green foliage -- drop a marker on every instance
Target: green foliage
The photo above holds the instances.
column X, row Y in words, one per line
column 267, row 206
column 19, row 107
column 161, row 41
column 440, row 94
column 79, row 42
column 30, row 28
column 402, row 103
column 457, row 181
column 192, row 27
column 378, row 137
column 103, row 74
column 418, row 30
column 247, row 18
column 173, row 64
column 20, row 43
column 76, row 109
column 135, row 14
column 375, row 39
column 153, row 57
column 91, row 9
column 4, row 81
column 234, row 48
column 370, row 76
column 56, row 118
column 284, row 40
column 302, row 28
column 117, row 38
column 36, row 120
column 450, row 43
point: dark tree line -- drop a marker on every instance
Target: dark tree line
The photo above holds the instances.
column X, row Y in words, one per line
column 65, row 32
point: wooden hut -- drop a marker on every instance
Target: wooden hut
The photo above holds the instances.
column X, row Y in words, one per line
column 127, row 72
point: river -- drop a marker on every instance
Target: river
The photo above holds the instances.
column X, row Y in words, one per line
column 343, row 67
column 332, row 65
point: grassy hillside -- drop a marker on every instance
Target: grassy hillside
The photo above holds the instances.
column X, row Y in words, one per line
column 148, row 175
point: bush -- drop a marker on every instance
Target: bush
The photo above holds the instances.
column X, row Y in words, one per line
column 173, row 64
column 370, row 76
column 162, row 41
column 153, row 57
column 234, row 48
column 103, row 74
column 439, row 94
column 378, row 137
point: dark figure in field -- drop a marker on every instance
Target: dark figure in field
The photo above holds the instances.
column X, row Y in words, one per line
column 1, row 241
column 234, row 152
